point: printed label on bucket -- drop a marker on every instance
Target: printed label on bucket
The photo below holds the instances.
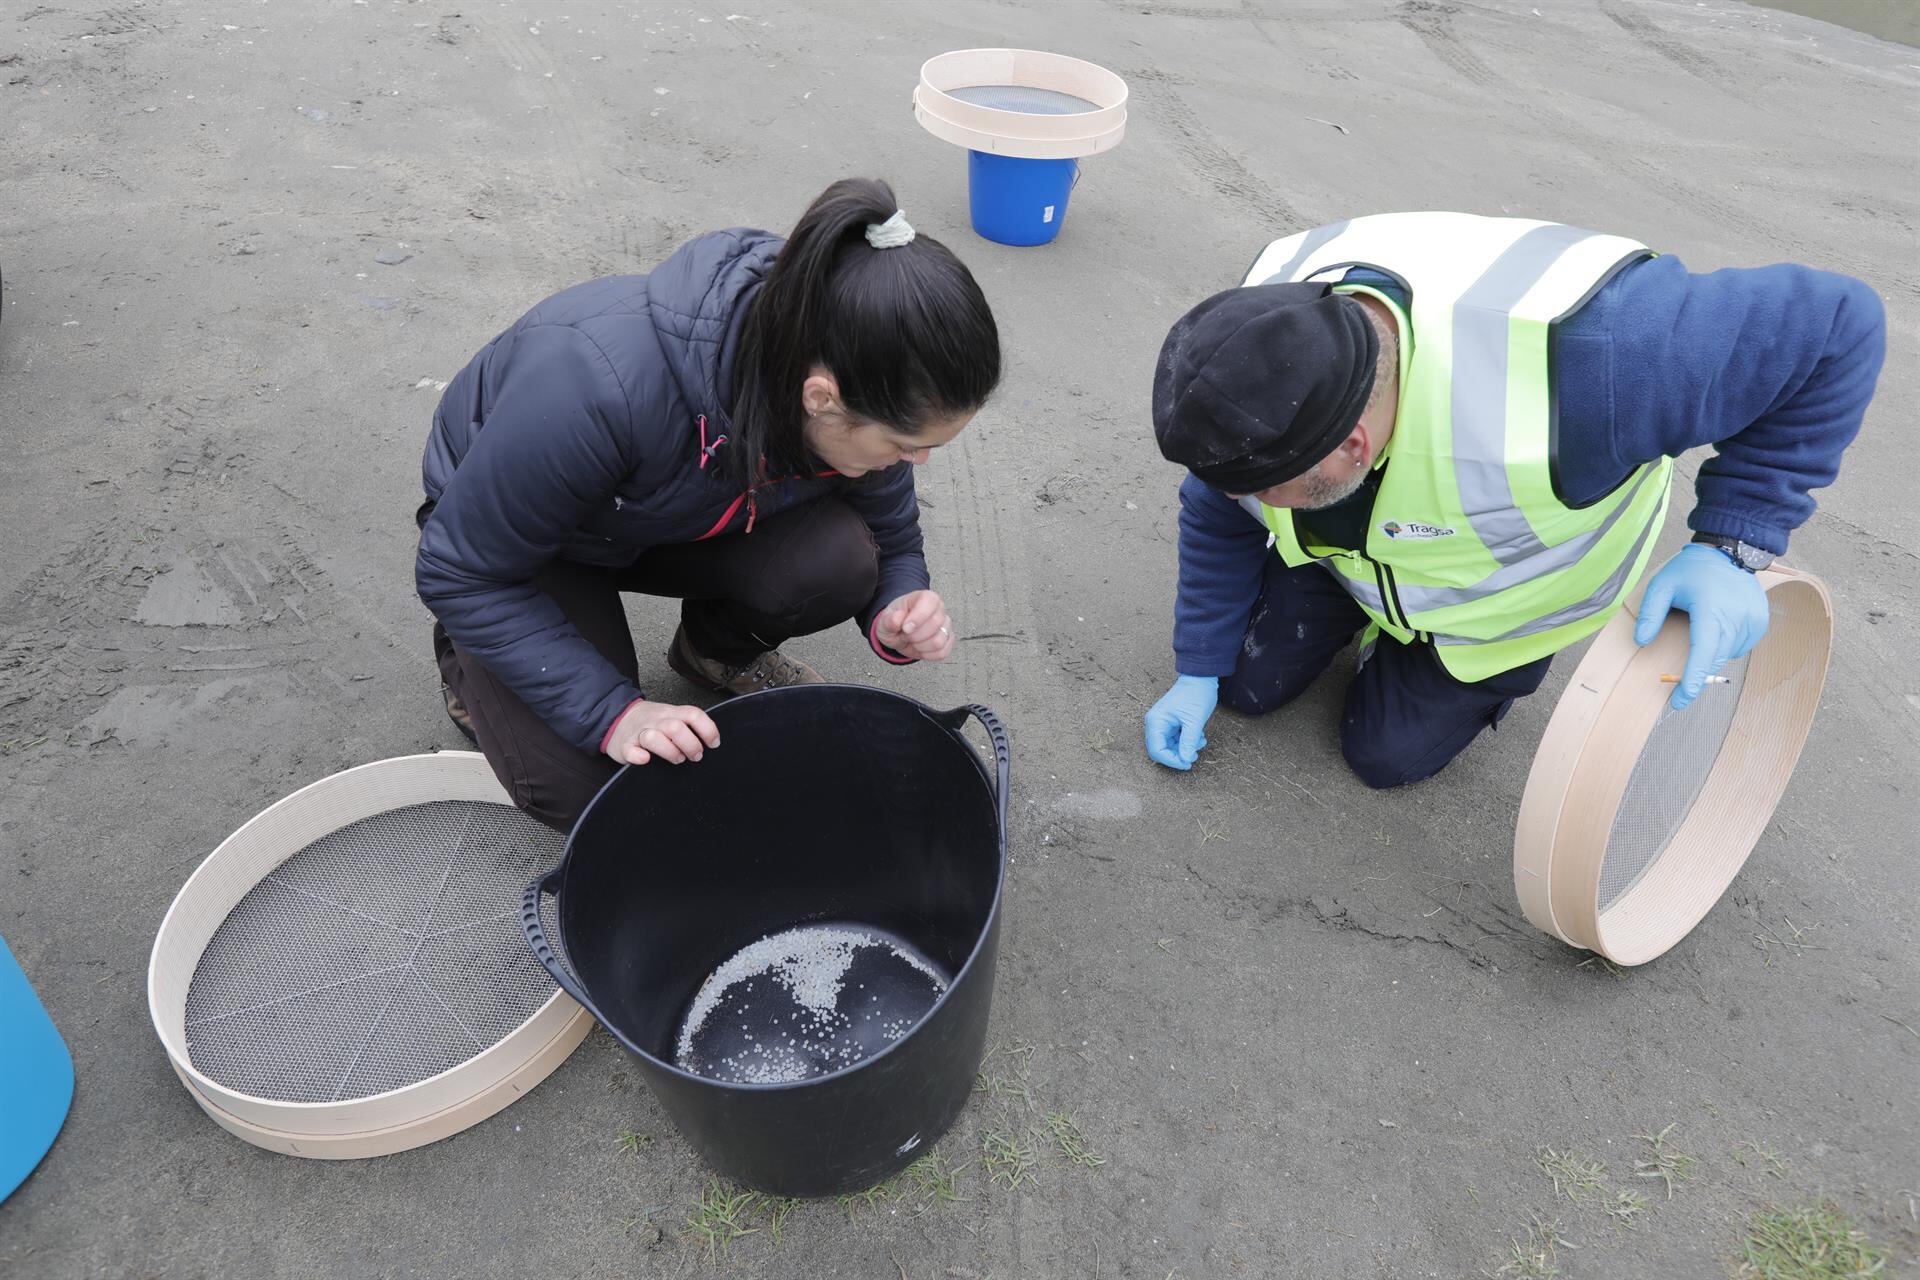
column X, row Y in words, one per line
column 1047, row 214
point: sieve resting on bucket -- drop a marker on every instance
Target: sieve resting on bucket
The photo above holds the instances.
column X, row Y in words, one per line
column 1022, row 103
column 1026, row 119
column 345, row 975
column 1637, row 817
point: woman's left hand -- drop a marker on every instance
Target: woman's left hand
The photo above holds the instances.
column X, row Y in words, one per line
column 916, row 626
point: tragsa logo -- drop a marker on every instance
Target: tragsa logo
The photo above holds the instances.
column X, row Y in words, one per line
column 1414, row 529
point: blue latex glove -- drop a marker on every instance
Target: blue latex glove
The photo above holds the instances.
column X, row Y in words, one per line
column 1726, row 613
column 1177, row 724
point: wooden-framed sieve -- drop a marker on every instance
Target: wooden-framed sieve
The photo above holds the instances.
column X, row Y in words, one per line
column 1636, row 817
column 346, row 974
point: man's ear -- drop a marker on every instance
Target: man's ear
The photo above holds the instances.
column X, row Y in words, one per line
column 1356, row 450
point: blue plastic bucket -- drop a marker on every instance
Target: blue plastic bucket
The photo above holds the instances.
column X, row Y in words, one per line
column 36, row 1076
column 1016, row 201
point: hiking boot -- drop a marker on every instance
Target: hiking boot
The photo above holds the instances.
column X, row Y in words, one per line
column 457, row 712
column 771, row 670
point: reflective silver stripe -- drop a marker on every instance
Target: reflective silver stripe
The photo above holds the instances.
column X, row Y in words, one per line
column 1415, row 600
column 1480, row 343
column 1367, row 593
column 1308, row 244
column 1252, row 506
column 1419, row 599
column 1602, row 598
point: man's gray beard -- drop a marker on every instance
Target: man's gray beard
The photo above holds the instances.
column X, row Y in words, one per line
column 1322, row 492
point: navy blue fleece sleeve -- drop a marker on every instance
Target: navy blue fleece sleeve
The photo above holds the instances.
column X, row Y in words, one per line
column 1223, row 552
column 891, row 510
column 1774, row 366
column 542, row 462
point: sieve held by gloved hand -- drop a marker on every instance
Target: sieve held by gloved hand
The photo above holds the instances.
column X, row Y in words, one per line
column 1726, row 610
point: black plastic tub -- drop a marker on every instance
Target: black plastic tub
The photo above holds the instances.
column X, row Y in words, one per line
column 826, row 808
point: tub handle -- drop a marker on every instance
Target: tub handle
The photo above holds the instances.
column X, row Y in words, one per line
column 537, row 939
column 955, row 719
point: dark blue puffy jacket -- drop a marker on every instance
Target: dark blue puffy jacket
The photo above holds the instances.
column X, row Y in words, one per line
column 579, row 434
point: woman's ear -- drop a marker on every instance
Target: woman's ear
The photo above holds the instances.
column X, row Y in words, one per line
column 820, row 392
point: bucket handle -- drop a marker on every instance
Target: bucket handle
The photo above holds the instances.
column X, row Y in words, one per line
column 537, row 939
column 953, row 721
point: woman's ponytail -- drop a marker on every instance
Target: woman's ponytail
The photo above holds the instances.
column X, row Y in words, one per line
column 904, row 329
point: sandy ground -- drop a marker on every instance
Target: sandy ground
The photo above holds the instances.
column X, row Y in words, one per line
column 1304, row 1023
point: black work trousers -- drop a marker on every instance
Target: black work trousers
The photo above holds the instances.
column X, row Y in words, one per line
column 1405, row 717
column 799, row 572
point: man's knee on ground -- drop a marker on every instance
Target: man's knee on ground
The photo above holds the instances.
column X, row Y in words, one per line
column 1375, row 760
column 1254, row 697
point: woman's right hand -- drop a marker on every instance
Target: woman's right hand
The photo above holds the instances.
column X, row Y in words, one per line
column 648, row 729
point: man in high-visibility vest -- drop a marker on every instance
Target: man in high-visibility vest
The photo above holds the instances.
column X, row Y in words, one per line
column 1452, row 436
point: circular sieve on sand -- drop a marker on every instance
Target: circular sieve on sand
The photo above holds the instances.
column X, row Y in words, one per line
column 346, row 975
column 1637, row 817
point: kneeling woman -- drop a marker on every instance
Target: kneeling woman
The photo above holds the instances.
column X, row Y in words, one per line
column 736, row 429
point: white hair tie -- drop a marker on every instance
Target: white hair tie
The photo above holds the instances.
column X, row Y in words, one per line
column 890, row 234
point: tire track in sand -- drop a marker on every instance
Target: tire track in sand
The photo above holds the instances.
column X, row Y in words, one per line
column 1432, row 21
column 1202, row 153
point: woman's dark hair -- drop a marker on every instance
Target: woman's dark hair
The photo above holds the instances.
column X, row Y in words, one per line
column 905, row 331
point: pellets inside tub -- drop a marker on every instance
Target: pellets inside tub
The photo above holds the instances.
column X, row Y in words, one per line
column 805, row 1003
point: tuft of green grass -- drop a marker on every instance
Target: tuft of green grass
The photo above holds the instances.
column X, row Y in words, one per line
column 1016, row 1051
column 1664, row 1161
column 1538, row 1257
column 1613, row 970
column 854, row 1201
column 631, row 1142
column 1020, row 1052
column 1006, row 1088
column 1007, row 1157
column 1625, row 1208
column 1573, row 1176
column 776, row 1208
column 1808, row 1242
column 933, row 1178
column 1064, row 1132
column 720, row 1216
column 1761, row 1155
column 1767, row 941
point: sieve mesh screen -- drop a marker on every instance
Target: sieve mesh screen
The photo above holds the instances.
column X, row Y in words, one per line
column 381, row 954
column 1666, row 780
column 1021, row 98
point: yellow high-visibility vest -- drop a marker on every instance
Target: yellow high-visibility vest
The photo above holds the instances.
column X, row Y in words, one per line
column 1470, row 545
